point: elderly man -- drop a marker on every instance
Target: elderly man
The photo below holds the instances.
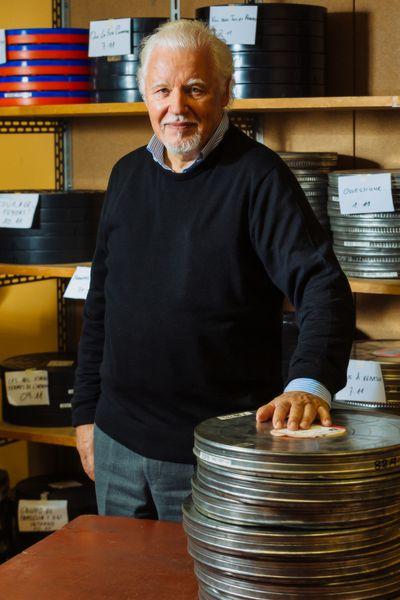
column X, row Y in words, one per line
column 202, row 233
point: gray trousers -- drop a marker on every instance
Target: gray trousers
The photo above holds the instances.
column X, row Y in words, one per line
column 128, row 484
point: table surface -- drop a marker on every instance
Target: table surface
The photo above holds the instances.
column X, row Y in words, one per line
column 101, row 558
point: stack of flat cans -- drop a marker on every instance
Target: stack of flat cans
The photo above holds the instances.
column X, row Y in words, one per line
column 299, row 518
column 288, row 58
column 113, row 78
column 366, row 245
column 45, row 66
column 63, row 230
column 387, row 354
column 311, row 171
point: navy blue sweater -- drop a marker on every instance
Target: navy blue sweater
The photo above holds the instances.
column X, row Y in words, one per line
column 183, row 317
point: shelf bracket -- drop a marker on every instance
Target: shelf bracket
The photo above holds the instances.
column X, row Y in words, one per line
column 6, row 280
column 62, row 317
column 252, row 125
column 7, row 442
column 175, row 10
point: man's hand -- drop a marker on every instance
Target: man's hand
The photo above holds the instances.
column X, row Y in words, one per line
column 299, row 408
column 84, row 444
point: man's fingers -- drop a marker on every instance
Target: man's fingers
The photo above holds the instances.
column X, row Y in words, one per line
column 295, row 415
column 324, row 415
column 309, row 414
column 300, row 408
column 282, row 409
column 88, row 465
column 264, row 413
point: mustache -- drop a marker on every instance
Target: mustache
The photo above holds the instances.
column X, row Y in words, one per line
column 178, row 119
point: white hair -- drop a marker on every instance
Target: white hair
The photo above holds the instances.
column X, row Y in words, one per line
column 189, row 35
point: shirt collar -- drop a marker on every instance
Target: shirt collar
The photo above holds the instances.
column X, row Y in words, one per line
column 156, row 148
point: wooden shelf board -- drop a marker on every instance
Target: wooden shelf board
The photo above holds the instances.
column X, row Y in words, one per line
column 375, row 286
column 60, row 436
column 62, row 270
column 248, row 104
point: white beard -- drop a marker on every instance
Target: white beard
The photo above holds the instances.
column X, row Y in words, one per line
column 186, row 145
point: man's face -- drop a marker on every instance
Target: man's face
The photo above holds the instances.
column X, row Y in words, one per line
column 184, row 98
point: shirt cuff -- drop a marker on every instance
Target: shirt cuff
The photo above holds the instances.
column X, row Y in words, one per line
column 311, row 386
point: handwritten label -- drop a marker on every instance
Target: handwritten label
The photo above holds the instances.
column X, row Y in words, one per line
column 364, row 383
column 110, row 38
column 17, row 210
column 235, row 415
column 27, row 388
column 3, row 48
column 369, row 193
column 78, row 287
column 42, row 515
column 215, row 460
column 60, row 363
column 234, row 24
column 65, row 485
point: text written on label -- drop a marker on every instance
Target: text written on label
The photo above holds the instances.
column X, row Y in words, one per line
column 42, row 515
column 110, row 38
column 17, row 210
column 27, row 388
column 234, row 24
column 78, row 286
column 365, row 193
column 364, row 383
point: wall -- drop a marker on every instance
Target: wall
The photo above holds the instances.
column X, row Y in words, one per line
column 27, row 312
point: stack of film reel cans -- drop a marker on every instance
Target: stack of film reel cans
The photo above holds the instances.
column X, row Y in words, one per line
column 113, row 78
column 305, row 519
column 45, row 66
column 366, row 245
column 311, row 171
column 288, row 58
column 63, row 229
column 387, row 354
column 37, row 389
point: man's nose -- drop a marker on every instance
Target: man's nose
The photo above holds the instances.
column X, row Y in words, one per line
column 177, row 102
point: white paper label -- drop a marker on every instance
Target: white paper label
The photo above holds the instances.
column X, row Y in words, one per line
column 369, row 193
column 110, row 38
column 3, row 48
column 60, row 363
column 215, row 460
column 18, row 94
column 27, row 388
column 235, row 24
column 78, row 285
column 355, row 244
column 234, row 415
column 364, row 383
column 17, row 210
column 65, row 485
column 42, row 515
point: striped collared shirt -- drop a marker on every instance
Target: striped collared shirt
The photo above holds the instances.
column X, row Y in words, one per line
column 156, row 148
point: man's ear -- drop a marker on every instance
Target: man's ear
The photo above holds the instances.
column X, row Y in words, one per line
column 226, row 94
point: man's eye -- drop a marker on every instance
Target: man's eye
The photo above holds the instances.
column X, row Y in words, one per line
column 196, row 91
column 162, row 91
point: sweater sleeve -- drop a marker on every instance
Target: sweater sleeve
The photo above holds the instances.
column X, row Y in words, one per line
column 91, row 343
column 299, row 259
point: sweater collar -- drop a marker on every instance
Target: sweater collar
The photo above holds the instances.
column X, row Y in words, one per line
column 156, row 147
